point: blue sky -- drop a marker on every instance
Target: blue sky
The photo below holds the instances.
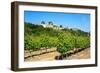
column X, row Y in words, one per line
column 70, row 20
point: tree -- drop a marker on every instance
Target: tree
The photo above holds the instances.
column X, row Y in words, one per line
column 60, row 26
column 50, row 23
column 43, row 22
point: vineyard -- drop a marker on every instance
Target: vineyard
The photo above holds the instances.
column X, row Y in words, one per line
column 39, row 40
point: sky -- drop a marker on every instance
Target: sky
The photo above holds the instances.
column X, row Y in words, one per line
column 70, row 20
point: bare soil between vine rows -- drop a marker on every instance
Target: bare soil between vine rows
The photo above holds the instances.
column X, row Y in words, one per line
column 84, row 54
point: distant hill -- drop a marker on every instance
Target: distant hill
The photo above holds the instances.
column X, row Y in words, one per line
column 37, row 29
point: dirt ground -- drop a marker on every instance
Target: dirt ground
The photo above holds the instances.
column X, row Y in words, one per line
column 44, row 57
column 85, row 54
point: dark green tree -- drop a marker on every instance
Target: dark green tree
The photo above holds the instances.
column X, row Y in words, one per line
column 43, row 22
column 50, row 23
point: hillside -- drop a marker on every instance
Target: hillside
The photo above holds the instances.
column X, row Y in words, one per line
column 37, row 37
